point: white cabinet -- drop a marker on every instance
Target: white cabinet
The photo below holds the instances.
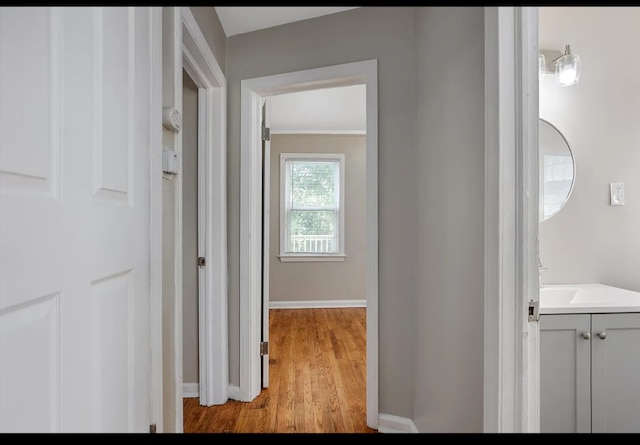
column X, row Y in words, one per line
column 590, row 373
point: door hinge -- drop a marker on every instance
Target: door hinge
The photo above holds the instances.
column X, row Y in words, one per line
column 534, row 312
column 266, row 133
column 202, row 261
column 264, row 348
column 152, row 428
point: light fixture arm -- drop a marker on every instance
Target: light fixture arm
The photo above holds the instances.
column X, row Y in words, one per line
column 567, row 52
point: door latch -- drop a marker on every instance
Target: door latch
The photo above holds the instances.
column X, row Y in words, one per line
column 202, row 261
column 534, row 311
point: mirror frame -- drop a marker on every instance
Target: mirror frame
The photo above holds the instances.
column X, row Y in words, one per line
column 541, row 217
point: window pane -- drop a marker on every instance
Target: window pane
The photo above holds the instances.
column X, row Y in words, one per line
column 313, row 231
column 313, row 183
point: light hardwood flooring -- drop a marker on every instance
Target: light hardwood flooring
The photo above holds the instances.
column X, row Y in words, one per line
column 317, row 379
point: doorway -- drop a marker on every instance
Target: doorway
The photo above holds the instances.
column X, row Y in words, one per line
column 315, row 243
column 252, row 297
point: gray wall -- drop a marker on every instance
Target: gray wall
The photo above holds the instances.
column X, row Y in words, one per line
column 189, row 229
column 386, row 34
column 448, row 357
column 589, row 241
column 209, row 24
column 305, row 281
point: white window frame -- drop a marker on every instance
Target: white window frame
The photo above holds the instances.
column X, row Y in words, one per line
column 316, row 257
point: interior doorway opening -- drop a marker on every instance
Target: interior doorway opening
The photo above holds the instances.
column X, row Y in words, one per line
column 252, row 291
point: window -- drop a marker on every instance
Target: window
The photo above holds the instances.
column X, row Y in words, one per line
column 311, row 207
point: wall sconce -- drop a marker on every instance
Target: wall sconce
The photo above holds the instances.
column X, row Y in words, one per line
column 542, row 66
column 566, row 67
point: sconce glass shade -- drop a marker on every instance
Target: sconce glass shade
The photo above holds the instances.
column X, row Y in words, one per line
column 542, row 65
column 568, row 69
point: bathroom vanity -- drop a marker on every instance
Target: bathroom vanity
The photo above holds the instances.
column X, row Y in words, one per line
column 589, row 359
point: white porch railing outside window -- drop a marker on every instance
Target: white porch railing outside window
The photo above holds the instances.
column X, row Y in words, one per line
column 312, row 244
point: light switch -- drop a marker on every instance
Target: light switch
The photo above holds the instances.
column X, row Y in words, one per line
column 617, row 194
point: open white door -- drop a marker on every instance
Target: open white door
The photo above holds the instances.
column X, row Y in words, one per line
column 74, row 219
column 266, row 194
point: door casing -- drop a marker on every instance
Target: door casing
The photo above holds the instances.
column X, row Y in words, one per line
column 251, row 298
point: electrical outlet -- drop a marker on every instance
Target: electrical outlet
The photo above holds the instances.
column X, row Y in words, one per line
column 617, row 193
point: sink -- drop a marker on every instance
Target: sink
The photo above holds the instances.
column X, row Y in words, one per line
column 587, row 298
column 557, row 296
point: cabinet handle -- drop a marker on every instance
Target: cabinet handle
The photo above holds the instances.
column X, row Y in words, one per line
column 586, row 335
column 602, row 335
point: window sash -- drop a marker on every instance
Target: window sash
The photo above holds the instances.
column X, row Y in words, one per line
column 312, row 244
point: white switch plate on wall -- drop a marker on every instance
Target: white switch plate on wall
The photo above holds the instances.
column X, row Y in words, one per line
column 617, row 194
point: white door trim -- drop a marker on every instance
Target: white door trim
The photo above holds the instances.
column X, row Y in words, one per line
column 200, row 63
column 172, row 324
column 155, row 220
column 252, row 90
column 511, row 370
column 266, row 225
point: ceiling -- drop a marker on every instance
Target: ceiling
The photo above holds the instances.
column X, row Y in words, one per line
column 341, row 109
column 328, row 110
column 242, row 19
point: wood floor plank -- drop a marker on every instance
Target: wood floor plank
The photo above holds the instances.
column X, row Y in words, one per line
column 317, row 379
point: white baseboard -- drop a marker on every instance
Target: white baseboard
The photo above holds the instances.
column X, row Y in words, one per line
column 316, row 304
column 394, row 424
column 233, row 392
column 190, row 390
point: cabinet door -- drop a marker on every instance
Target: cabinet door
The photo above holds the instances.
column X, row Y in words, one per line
column 616, row 373
column 565, row 373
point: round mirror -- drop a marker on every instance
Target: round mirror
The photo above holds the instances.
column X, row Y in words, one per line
column 557, row 170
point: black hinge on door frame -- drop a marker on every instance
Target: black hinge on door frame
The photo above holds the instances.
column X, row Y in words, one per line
column 264, row 348
column 266, row 133
column 152, row 428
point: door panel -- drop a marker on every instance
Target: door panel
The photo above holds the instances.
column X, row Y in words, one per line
column 565, row 377
column 30, row 327
column 29, row 160
column 74, row 219
column 615, row 373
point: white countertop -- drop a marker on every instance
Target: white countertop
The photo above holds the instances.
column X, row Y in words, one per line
column 587, row 298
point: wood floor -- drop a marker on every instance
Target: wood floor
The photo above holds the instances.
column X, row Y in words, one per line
column 317, row 379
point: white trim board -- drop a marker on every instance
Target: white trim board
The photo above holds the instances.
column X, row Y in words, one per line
column 252, row 91
column 511, row 358
column 234, row 392
column 316, row 304
column 394, row 424
column 155, row 221
column 172, row 97
column 190, row 390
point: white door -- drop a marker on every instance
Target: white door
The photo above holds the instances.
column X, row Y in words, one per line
column 266, row 194
column 74, row 219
